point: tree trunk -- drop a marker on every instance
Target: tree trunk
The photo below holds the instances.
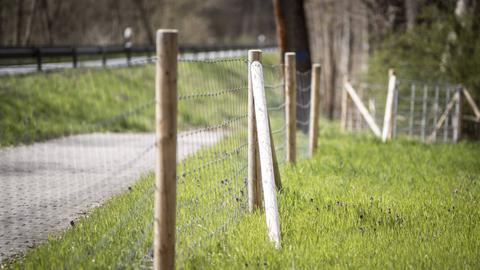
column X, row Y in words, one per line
column 19, row 22
column 48, row 21
column 292, row 35
column 28, row 30
column 145, row 18
column 411, row 9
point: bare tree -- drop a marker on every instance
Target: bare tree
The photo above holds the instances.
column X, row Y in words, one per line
column 19, row 22
column 145, row 18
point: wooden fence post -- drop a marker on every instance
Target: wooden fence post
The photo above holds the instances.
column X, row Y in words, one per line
column 412, row 111
column 387, row 120
column 457, row 124
column 424, row 113
column 265, row 148
column 254, row 176
column 290, row 105
column 435, row 114
column 314, row 108
column 445, row 126
column 363, row 110
column 395, row 114
column 166, row 150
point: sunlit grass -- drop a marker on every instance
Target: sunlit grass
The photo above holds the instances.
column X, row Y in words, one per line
column 357, row 204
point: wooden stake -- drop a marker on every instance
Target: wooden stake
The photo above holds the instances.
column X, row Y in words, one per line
column 387, row 121
column 266, row 159
column 290, row 105
column 445, row 126
column 254, row 176
column 363, row 110
column 412, row 111
column 470, row 101
column 435, row 114
column 395, row 113
column 457, row 124
column 314, row 108
column 166, row 150
column 424, row 112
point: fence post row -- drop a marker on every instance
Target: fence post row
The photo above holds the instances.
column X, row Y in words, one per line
column 314, row 108
column 166, row 149
column 290, row 105
column 388, row 119
column 265, row 149
column 254, row 174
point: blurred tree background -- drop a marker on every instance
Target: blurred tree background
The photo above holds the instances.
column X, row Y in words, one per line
column 429, row 40
column 87, row 22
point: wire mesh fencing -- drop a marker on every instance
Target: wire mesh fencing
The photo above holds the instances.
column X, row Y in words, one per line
column 303, row 106
column 420, row 110
column 78, row 152
column 64, row 153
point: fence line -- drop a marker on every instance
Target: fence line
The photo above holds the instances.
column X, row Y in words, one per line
column 412, row 109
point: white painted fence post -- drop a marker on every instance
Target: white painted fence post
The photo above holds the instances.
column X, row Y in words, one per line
column 265, row 147
column 387, row 121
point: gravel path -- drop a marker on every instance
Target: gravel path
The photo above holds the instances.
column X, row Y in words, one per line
column 46, row 185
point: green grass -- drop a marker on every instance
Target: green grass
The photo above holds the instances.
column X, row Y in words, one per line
column 42, row 106
column 358, row 203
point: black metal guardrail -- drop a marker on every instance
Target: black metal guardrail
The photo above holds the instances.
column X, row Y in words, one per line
column 38, row 54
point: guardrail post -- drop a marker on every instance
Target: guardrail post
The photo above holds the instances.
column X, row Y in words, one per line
column 166, row 150
column 39, row 59
column 75, row 57
column 290, row 105
column 104, row 56
column 254, row 175
column 129, row 56
column 314, row 108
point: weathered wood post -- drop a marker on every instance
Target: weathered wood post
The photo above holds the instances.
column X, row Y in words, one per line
column 424, row 112
column 314, row 108
column 254, row 176
column 265, row 149
column 412, row 111
column 446, row 125
column 387, row 120
column 395, row 114
column 166, row 150
column 457, row 121
column 290, row 105
column 435, row 114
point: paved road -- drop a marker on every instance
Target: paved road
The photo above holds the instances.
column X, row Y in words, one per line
column 46, row 185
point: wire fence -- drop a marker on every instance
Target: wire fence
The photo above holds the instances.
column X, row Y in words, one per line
column 417, row 110
column 303, row 104
column 85, row 139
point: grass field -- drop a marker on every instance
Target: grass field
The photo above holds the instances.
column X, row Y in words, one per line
column 42, row 106
column 357, row 204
